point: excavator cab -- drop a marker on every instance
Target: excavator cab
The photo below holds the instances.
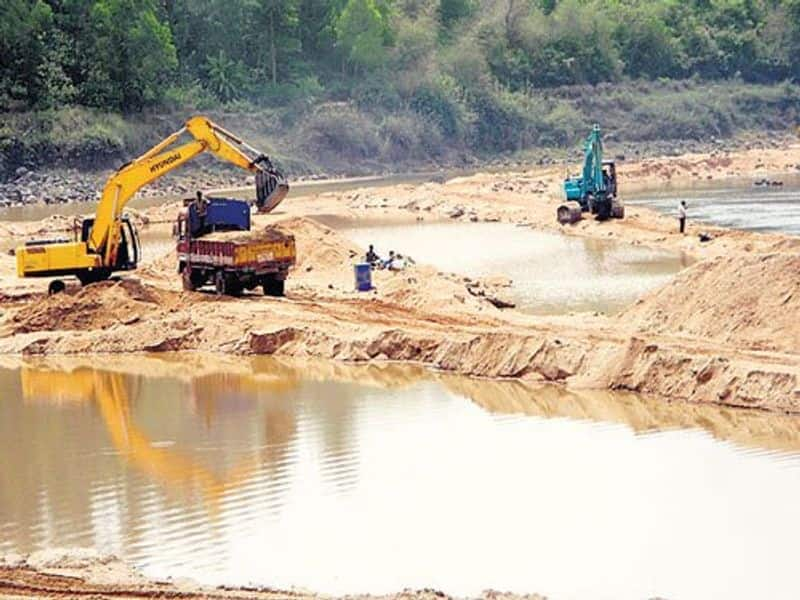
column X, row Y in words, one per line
column 129, row 250
column 610, row 178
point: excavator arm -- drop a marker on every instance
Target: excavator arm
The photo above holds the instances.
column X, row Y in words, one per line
column 271, row 186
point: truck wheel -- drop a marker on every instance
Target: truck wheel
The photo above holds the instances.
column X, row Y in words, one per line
column 234, row 287
column 617, row 210
column 186, row 279
column 220, row 283
column 273, row 287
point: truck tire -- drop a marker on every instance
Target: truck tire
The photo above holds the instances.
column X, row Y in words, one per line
column 617, row 210
column 234, row 286
column 273, row 287
column 187, row 278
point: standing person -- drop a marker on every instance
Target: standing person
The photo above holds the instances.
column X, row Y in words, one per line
column 682, row 216
column 372, row 256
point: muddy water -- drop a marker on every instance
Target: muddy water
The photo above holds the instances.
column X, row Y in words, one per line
column 344, row 480
column 737, row 205
column 551, row 273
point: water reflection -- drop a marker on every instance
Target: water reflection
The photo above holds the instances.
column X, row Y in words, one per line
column 346, row 479
column 114, row 395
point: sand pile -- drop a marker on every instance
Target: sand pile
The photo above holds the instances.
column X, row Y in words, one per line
column 427, row 290
column 261, row 234
column 746, row 301
column 320, row 248
column 94, row 307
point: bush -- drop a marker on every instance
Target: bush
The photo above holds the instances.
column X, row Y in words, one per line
column 189, row 97
column 440, row 103
column 407, row 136
column 341, row 128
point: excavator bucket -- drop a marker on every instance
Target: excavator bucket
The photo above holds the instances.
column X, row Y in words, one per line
column 271, row 189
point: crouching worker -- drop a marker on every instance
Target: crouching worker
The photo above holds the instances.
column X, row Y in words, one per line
column 398, row 263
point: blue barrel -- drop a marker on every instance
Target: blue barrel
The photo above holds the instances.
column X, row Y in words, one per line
column 363, row 277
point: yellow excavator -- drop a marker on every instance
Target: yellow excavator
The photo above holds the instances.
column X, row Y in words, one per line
column 109, row 242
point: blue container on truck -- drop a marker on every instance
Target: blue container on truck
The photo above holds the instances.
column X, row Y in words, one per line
column 218, row 214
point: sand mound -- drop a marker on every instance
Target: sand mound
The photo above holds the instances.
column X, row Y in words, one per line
column 748, row 301
column 94, row 307
column 320, row 247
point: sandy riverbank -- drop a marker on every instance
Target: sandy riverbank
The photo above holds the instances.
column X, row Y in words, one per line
column 721, row 332
column 74, row 573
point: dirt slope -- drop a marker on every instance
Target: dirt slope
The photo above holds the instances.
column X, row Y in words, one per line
column 745, row 301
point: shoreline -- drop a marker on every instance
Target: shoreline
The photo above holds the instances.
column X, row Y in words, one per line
column 71, row 572
column 61, row 186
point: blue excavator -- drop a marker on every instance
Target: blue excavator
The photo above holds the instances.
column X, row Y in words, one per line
column 595, row 191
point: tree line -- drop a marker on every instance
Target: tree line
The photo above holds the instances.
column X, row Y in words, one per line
column 440, row 58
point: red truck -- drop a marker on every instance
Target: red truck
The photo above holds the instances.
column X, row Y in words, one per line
column 216, row 246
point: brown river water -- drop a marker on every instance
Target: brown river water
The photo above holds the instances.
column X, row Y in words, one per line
column 373, row 479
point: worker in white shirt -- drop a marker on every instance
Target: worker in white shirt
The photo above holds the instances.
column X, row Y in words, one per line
column 682, row 216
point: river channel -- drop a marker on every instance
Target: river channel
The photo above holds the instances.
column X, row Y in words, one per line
column 341, row 480
column 737, row 204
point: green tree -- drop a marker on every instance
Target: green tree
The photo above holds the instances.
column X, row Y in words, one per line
column 227, row 78
column 453, row 11
column 281, row 21
column 132, row 57
column 362, row 30
column 25, row 26
column 645, row 42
